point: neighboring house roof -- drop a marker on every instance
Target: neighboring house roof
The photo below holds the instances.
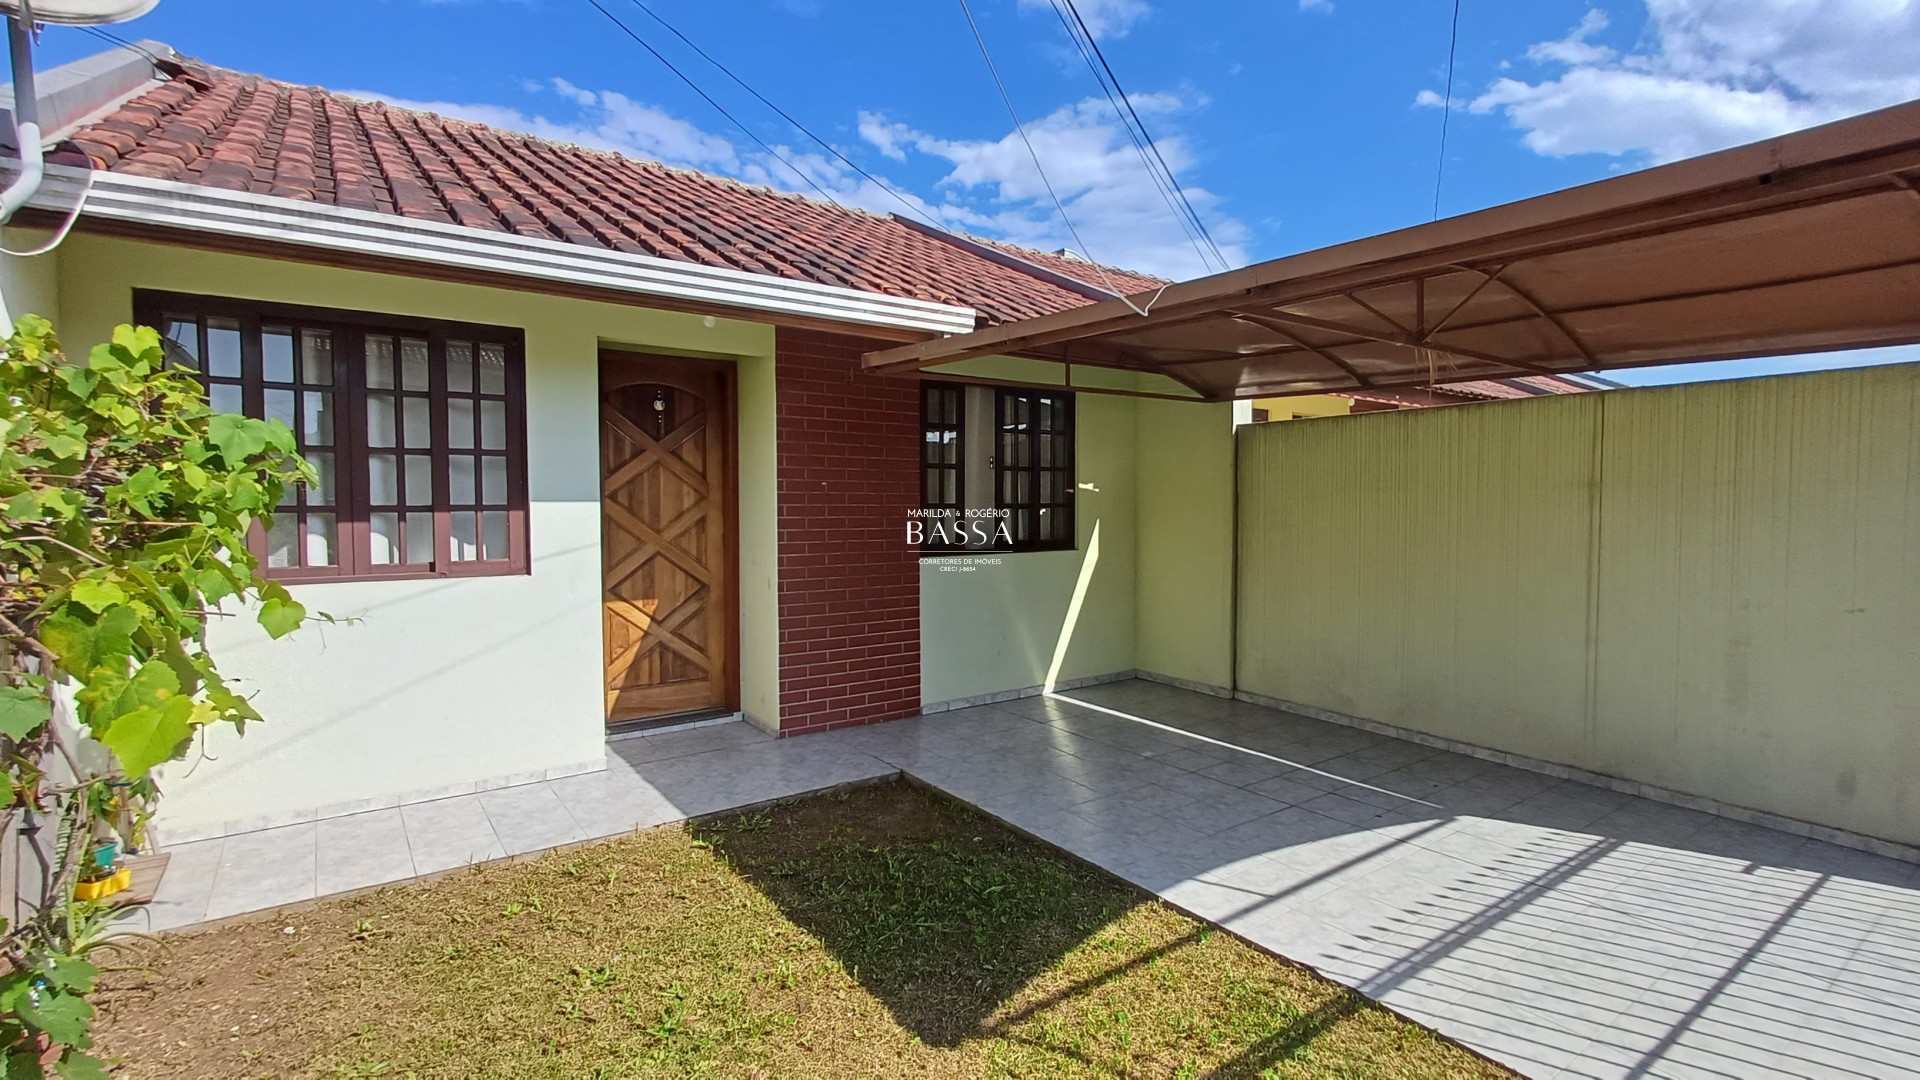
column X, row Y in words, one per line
column 221, row 129
column 1480, row 390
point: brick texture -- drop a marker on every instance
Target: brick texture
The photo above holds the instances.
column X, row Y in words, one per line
column 849, row 586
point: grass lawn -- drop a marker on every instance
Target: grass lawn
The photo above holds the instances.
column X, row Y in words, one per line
column 880, row 931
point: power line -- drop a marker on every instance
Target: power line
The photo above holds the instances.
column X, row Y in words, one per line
column 1446, row 109
column 1035, row 155
column 115, row 39
column 695, row 87
column 784, row 115
column 1151, row 145
column 1159, row 183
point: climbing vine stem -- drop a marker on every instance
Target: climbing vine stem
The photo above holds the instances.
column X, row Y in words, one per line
column 125, row 507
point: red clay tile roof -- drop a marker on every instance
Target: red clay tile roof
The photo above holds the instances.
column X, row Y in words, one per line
column 1127, row 281
column 247, row 133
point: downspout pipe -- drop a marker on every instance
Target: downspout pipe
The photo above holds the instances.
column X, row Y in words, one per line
column 26, row 122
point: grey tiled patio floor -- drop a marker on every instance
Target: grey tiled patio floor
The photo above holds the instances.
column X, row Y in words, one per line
column 1563, row 929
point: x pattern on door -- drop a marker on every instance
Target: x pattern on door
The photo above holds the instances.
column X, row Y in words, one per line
column 663, row 513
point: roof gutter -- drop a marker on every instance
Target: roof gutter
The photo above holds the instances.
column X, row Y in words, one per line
column 271, row 219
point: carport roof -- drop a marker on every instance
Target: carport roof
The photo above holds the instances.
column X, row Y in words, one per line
column 1804, row 243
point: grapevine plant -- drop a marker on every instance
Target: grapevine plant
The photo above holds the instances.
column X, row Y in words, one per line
column 125, row 505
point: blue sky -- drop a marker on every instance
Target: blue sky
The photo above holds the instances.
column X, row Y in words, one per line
column 1292, row 123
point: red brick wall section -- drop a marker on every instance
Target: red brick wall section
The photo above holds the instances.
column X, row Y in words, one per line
column 849, row 469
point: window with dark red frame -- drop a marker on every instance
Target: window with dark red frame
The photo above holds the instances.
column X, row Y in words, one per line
column 1021, row 466
column 416, row 429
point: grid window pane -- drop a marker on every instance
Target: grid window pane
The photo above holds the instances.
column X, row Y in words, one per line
column 390, row 493
column 493, row 534
column 276, row 354
column 414, row 364
column 225, row 397
column 460, row 479
column 223, row 348
column 280, row 406
column 419, row 480
column 493, row 486
column 280, row 540
column 464, row 533
column 316, row 357
column 493, row 425
column 420, row 537
column 418, row 423
column 460, row 423
column 380, row 431
column 383, row 528
column 383, row 479
column 324, row 491
column 460, row 367
column 182, row 344
column 379, row 363
column 493, row 369
column 316, row 418
column 320, row 540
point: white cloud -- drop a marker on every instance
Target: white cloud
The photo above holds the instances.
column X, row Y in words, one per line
column 884, row 136
column 1104, row 18
column 1093, row 166
column 1322, row 6
column 985, row 186
column 1711, row 74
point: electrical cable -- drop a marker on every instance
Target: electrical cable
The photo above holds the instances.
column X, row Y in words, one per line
column 1202, row 225
column 1446, row 110
column 721, row 109
column 115, row 39
column 1035, row 155
column 784, row 115
column 1159, row 183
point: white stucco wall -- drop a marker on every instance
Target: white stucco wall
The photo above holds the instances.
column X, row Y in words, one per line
column 436, row 685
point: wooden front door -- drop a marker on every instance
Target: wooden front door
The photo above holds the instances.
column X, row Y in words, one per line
column 667, row 535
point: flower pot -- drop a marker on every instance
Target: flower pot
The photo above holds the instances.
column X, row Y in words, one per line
column 101, row 888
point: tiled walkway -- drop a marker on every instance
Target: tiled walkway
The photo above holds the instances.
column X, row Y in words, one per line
column 1563, row 929
column 648, row 781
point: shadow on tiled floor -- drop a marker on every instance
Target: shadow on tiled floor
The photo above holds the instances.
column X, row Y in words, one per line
column 648, row 781
column 1564, row 929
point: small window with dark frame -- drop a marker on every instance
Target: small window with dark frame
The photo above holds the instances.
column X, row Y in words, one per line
column 942, row 412
column 1034, row 466
column 1001, row 461
column 414, row 427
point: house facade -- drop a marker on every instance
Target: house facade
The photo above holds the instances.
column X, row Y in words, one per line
column 596, row 448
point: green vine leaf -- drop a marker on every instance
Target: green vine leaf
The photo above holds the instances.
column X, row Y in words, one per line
column 78, row 1066
column 22, row 710
column 98, row 595
column 144, row 737
column 62, row 1016
column 237, row 437
column 126, row 504
column 282, row 615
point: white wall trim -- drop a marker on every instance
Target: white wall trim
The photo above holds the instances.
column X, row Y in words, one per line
column 164, row 836
column 1194, row 685
column 172, row 204
column 930, row 707
column 1762, row 818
